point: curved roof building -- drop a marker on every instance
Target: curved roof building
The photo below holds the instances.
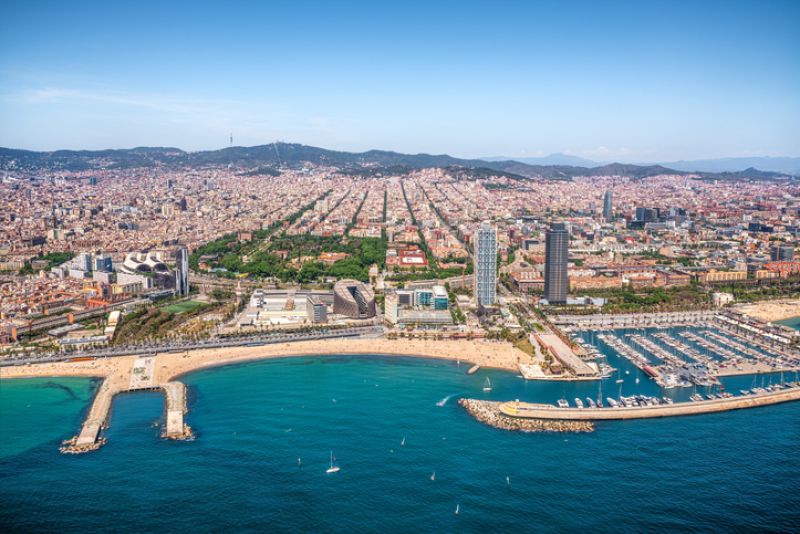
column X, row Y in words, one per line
column 353, row 299
column 144, row 262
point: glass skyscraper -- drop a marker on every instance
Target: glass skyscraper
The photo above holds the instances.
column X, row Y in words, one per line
column 182, row 272
column 556, row 257
column 607, row 208
column 486, row 265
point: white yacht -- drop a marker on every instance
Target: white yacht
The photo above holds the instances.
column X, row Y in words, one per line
column 332, row 468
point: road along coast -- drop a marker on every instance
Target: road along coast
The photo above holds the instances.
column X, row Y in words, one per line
column 160, row 372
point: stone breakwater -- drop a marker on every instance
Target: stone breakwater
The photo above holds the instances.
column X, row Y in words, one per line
column 488, row 413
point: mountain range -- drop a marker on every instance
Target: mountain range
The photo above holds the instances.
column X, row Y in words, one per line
column 560, row 167
column 786, row 165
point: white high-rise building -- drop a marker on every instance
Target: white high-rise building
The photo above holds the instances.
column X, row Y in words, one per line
column 486, row 265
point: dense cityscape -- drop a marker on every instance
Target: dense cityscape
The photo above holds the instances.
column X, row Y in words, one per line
column 165, row 257
column 91, row 241
column 400, row 267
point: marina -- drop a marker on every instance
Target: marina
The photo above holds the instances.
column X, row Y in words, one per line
column 673, row 354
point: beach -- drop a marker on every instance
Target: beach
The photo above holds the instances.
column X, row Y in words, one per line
column 771, row 310
column 168, row 366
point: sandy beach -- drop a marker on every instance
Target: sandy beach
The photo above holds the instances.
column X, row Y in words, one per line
column 168, row 366
column 772, row 310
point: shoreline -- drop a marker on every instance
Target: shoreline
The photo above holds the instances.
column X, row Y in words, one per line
column 771, row 310
column 170, row 366
column 163, row 371
column 159, row 372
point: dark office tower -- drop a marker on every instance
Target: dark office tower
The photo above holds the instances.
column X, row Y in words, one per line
column 607, row 210
column 782, row 253
column 556, row 257
column 648, row 214
column 182, row 204
column 170, row 184
column 182, row 272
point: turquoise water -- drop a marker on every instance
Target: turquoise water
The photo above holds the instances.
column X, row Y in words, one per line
column 35, row 411
column 794, row 322
column 731, row 471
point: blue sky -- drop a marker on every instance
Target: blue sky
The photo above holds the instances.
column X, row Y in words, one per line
column 629, row 81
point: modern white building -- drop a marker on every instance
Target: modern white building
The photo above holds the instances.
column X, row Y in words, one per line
column 486, row 265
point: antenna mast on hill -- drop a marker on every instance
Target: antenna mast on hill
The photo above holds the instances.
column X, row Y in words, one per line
column 277, row 153
column 231, row 139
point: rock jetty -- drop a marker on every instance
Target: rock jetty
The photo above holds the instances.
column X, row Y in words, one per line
column 71, row 446
column 488, row 412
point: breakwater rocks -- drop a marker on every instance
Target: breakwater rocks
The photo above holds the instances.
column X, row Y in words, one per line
column 488, row 412
column 71, row 446
column 185, row 435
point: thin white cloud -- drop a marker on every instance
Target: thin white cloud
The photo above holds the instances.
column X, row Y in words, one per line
column 154, row 102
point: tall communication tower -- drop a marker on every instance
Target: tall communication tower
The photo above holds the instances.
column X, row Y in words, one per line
column 277, row 153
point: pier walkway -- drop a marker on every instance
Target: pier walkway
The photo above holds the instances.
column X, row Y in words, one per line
column 139, row 376
column 547, row 411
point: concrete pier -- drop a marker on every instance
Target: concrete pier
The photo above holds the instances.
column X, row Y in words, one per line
column 139, row 376
column 176, row 408
column 550, row 412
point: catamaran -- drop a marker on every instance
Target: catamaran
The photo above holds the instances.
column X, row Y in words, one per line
column 332, row 468
column 487, row 386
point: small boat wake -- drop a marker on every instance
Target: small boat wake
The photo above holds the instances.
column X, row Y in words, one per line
column 444, row 400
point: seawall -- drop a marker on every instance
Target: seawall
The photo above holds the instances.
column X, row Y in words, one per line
column 524, row 410
column 488, row 412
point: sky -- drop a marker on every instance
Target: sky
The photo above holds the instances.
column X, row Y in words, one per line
column 624, row 81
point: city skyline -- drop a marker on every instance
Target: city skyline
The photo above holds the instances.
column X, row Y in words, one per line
column 638, row 84
column 340, row 265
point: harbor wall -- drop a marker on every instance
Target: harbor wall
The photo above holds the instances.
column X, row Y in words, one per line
column 539, row 411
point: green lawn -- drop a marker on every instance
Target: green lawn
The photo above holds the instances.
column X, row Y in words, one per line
column 183, row 307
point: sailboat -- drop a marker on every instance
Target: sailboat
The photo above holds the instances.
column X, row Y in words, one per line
column 600, row 394
column 403, row 442
column 457, row 509
column 433, row 476
column 487, row 386
column 332, row 468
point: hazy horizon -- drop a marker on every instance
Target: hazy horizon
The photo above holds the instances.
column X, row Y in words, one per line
column 521, row 158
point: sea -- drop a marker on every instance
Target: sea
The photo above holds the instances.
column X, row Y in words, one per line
column 793, row 322
column 409, row 457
